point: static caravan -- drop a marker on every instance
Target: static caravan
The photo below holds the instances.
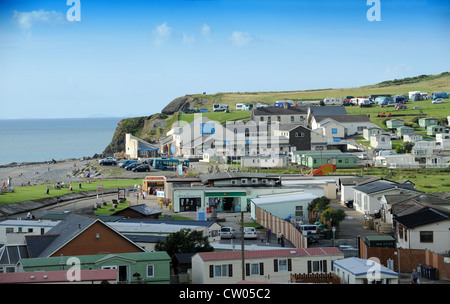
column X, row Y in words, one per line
column 333, row 101
column 219, row 107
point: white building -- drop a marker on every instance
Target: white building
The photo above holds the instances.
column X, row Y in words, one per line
column 396, row 161
column 381, row 141
column 425, row 229
column 412, row 138
column 360, row 271
column 14, row 231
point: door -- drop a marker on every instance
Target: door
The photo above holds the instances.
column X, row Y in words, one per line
column 123, row 274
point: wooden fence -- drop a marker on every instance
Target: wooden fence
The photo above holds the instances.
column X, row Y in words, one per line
column 315, row 278
column 276, row 225
column 409, row 259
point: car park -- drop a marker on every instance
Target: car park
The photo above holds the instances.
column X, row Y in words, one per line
column 250, row 233
column 227, row 233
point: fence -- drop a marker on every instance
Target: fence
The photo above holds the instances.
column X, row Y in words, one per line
column 276, row 225
column 409, row 259
column 316, row 278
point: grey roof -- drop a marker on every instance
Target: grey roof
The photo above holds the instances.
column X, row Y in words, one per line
column 279, row 111
column 423, row 217
column 382, row 185
column 142, row 209
column 11, row 254
column 139, row 238
column 169, row 222
column 230, row 175
column 357, row 180
column 344, row 118
column 290, row 127
column 66, row 230
column 328, row 111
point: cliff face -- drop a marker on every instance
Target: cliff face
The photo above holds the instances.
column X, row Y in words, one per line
column 181, row 103
column 149, row 128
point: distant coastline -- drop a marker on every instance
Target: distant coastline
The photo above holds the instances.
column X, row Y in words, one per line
column 39, row 141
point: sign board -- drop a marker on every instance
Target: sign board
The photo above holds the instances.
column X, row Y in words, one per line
column 159, row 193
column 99, row 187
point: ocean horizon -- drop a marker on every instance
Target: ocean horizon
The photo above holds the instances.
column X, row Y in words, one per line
column 40, row 140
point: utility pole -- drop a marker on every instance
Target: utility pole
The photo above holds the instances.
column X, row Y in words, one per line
column 242, row 246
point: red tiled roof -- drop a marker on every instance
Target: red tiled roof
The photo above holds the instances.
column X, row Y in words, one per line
column 57, row 276
column 276, row 253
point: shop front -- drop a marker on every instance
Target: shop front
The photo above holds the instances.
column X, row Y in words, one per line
column 190, row 202
column 225, row 201
column 152, row 184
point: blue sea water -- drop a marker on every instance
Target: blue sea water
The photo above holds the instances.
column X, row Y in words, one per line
column 36, row 140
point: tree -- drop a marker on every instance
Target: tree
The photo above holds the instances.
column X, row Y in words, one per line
column 184, row 241
column 335, row 216
column 318, row 204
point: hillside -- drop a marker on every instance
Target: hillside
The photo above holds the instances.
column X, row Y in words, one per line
column 153, row 127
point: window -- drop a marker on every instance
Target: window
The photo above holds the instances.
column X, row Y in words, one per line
column 254, row 180
column 426, row 236
column 299, row 211
column 150, row 271
column 217, row 271
column 261, row 119
column 317, row 266
column 292, row 118
column 252, row 269
column 244, row 181
column 282, row 265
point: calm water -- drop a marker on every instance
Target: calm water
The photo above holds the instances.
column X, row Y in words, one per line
column 29, row 140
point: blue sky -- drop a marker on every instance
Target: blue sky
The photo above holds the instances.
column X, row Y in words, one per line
column 131, row 58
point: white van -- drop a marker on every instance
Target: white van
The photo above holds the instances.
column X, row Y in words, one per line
column 220, row 107
column 240, row 106
column 308, row 229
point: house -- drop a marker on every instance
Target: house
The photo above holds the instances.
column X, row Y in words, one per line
column 79, row 235
column 396, row 161
column 381, row 141
column 265, row 161
column 444, row 140
column 14, row 231
column 425, row 148
column 412, row 137
column 298, row 135
column 368, row 132
column 285, row 205
column 394, row 123
column 316, row 159
column 438, row 160
column 327, row 111
column 435, row 129
column 428, row 121
column 360, row 271
column 133, row 267
column 265, row 266
column 347, row 185
column 283, row 115
column 329, row 127
column 137, row 148
column 141, row 211
column 402, row 131
column 367, row 197
column 424, row 229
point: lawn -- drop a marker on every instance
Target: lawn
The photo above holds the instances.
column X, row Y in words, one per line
column 27, row 193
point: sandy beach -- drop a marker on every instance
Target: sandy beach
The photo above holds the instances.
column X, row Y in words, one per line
column 43, row 173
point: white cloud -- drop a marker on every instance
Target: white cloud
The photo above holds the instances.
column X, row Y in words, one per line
column 26, row 20
column 240, row 38
column 206, row 30
column 188, row 39
column 162, row 34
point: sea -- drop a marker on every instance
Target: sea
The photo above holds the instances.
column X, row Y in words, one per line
column 40, row 140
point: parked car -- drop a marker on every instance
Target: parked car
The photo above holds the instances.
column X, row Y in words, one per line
column 126, row 162
column 365, row 105
column 107, row 162
column 227, row 233
column 349, row 203
column 393, row 136
column 250, row 233
column 438, row 100
column 362, row 156
column 141, row 168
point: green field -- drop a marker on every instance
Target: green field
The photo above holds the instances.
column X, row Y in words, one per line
column 28, row 193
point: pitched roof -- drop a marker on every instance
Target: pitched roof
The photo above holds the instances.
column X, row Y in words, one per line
column 343, row 118
column 382, row 185
column 230, row 175
column 280, row 253
column 328, row 110
column 142, row 209
column 423, row 217
column 357, row 266
column 279, row 111
column 57, row 276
